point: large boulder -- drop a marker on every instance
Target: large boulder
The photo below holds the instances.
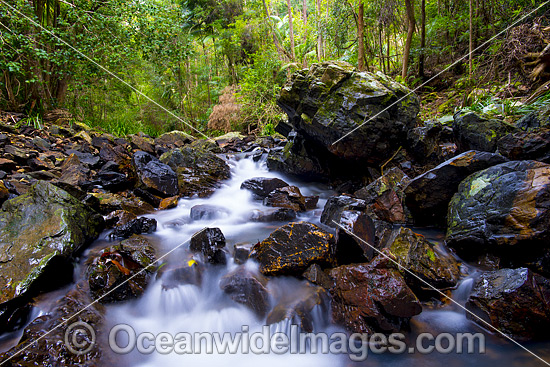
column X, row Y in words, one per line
column 427, row 196
column 423, row 259
column 335, row 205
column 41, row 232
column 476, row 132
column 262, row 186
column 525, row 145
column 515, row 301
column 292, row 248
column 247, row 288
column 329, row 100
column 288, row 197
column 210, row 242
column 199, row 171
column 373, row 297
column 155, row 175
column 121, row 272
column 502, row 210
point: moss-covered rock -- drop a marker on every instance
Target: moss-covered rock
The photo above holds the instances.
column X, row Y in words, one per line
column 476, row 132
column 40, row 234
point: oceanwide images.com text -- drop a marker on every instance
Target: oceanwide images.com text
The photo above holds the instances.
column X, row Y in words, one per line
column 123, row 339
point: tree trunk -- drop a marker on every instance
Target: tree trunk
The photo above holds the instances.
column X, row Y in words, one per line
column 422, row 39
column 406, row 52
column 320, row 50
column 291, row 32
column 471, row 42
column 361, row 38
column 280, row 50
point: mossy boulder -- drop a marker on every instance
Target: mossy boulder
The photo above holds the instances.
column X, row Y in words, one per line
column 199, row 171
column 474, row 131
column 41, row 232
column 503, row 210
column 292, row 248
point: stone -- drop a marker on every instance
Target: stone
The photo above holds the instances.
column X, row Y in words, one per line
column 155, row 175
column 515, row 301
column 247, row 288
column 476, row 132
column 273, row 215
column 370, row 298
column 119, row 218
column 427, row 196
column 241, row 252
column 169, row 203
column 288, row 197
column 118, row 274
column 208, row 212
column 174, row 139
column 135, row 226
column 261, row 187
column 316, row 275
column 210, row 242
column 526, row 145
column 350, row 249
column 173, row 275
column 109, row 202
column 292, row 248
column 332, row 212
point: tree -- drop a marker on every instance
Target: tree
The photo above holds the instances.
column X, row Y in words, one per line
column 409, row 5
column 291, row 32
column 361, row 37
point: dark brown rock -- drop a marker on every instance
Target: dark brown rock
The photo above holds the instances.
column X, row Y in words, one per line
column 247, row 288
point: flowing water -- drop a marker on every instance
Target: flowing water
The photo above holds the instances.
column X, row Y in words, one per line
column 193, row 309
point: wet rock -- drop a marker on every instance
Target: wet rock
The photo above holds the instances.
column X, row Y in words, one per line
column 428, row 195
column 4, row 193
column 174, row 275
column 515, row 301
column 174, row 139
column 369, row 298
column 423, row 259
column 42, row 341
column 86, row 158
column 525, row 145
column 273, row 215
column 336, row 205
column 247, row 288
column 155, row 175
column 288, row 197
column 349, row 248
column 503, row 210
column 16, row 154
column 316, row 275
column 327, row 101
column 143, row 143
column 169, row 203
column 241, row 252
column 292, row 248
column 74, row 173
column 110, row 202
column 429, row 144
column 476, row 132
column 135, row 226
column 110, row 178
column 119, row 218
column 262, row 186
column 385, row 194
column 210, row 242
column 209, row 145
column 147, row 196
column 7, row 164
column 208, row 212
column 298, row 307
column 199, row 171
column 535, row 120
column 118, row 274
column 41, row 232
column 311, row 202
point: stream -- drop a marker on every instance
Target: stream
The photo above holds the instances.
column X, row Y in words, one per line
column 193, row 309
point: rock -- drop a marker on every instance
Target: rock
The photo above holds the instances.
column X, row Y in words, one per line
column 503, row 210
column 199, row 171
column 174, row 139
column 476, row 132
column 155, row 175
column 316, row 275
column 384, row 196
column 110, row 178
column 515, row 301
column 247, row 288
column 208, row 212
column 330, row 99
column 135, row 226
column 292, row 248
column 350, row 249
column 85, row 158
column 288, row 197
column 174, row 275
column 4, row 193
column 209, row 145
column 42, row 341
column 422, row 258
column 169, row 203
column 273, row 215
column 534, row 120
column 527, row 145
column 311, row 202
column 110, row 202
column 430, row 143
column 262, row 186
column 369, row 298
column 147, row 196
column 74, row 173
column 41, row 233
column 116, row 274
column 336, row 205
column 428, row 195
column 143, row 143
column 241, row 252
column 119, row 218
column 228, row 138
column 7, row 164
column 210, row 242
column 299, row 307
